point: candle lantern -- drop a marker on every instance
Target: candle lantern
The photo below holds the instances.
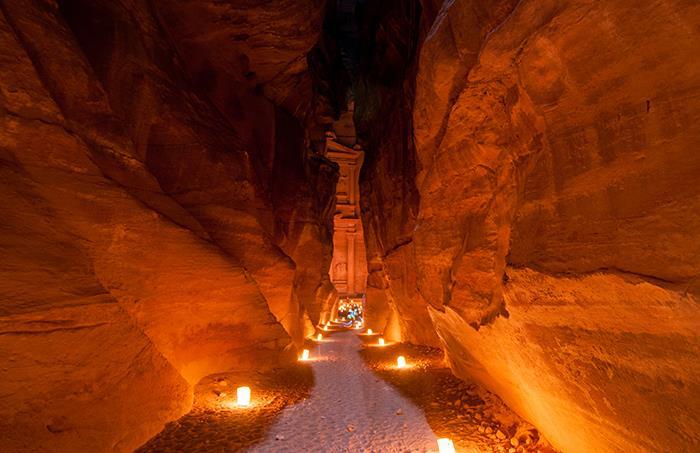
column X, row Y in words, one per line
column 401, row 362
column 446, row 446
column 243, row 396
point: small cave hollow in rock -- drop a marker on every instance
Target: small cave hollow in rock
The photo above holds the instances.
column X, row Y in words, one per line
column 350, row 225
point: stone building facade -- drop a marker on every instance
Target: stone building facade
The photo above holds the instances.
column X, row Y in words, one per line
column 349, row 266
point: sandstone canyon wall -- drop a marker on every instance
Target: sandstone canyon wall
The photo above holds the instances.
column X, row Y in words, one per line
column 389, row 198
column 153, row 217
column 540, row 202
column 250, row 59
column 529, row 196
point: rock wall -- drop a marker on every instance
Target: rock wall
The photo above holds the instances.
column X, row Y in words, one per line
column 144, row 228
column 385, row 90
column 554, row 239
column 250, row 59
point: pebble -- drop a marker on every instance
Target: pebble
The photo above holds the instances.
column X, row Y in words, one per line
column 350, row 428
column 399, row 412
column 488, row 430
column 279, row 437
column 514, row 442
column 500, row 434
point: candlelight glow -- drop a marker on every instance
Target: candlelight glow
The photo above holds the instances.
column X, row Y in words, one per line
column 305, row 354
column 319, row 337
column 401, row 362
column 381, row 342
column 243, row 396
column 445, row 446
column 369, row 331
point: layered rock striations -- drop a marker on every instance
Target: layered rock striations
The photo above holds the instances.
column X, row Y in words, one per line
column 529, row 195
column 385, row 90
column 250, row 59
column 151, row 226
column 554, row 239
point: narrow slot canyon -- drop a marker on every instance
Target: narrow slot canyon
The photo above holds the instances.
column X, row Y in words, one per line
column 350, row 226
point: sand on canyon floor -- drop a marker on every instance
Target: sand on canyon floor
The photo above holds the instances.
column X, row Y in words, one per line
column 475, row 419
column 349, row 397
column 216, row 424
column 350, row 409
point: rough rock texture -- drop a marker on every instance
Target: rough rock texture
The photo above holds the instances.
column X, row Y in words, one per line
column 232, row 47
column 389, row 198
column 530, row 191
column 250, row 59
column 554, row 235
column 138, row 223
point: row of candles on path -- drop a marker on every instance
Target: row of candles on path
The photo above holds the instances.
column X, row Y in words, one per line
column 400, row 360
column 445, row 445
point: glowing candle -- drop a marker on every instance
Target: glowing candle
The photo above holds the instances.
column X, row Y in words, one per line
column 446, row 446
column 381, row 342
column 401, row 362
column 319, row 337
column 243, row 396
column 305, row 354
column 369, row 331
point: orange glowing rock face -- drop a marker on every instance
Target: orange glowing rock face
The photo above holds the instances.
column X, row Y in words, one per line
column 603, row 209
column 243, row 396
column 136, row 225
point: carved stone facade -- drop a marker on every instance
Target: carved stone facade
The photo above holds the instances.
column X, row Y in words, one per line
column 349, row 266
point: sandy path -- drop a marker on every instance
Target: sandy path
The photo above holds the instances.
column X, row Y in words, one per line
column 347, row 394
